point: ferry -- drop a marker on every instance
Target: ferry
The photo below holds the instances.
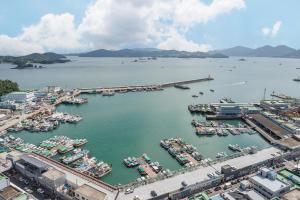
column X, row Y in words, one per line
column 77, row 155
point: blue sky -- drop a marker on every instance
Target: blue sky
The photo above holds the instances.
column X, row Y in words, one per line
column 113, row 24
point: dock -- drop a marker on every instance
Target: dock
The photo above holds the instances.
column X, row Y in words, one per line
column 187, row 82
column 150, row 87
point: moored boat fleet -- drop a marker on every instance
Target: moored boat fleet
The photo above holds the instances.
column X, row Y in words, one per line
column 186, row 154
column 209, row 128
column 63, row 148
column 45, row 122
column 75, row 101
column 145, row 167
column 201, row 108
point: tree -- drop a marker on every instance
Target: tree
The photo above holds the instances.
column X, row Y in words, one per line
column 7, row 86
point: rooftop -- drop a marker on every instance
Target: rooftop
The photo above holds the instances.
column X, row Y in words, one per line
column 198, row 175
column 34, row 161
column 90, row 192
column 273, row 185
column 53, row 174
column 9, row 193
column 292, row 195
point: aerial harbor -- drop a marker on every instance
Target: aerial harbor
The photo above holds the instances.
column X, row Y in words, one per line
column 149, row 100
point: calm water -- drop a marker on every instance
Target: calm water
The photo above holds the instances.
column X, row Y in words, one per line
column 134, row 123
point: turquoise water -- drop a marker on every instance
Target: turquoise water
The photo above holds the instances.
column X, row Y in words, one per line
column 134, row 123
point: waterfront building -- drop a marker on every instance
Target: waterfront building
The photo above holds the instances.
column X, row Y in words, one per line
column 18, row 97
column 52, row 89
column 266, row 184
column 52, row 179
column 229, row 110
column 86, row 192
column 30, row 166
column 11, row 105
column 275, row 105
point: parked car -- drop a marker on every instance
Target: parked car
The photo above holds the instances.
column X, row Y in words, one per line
column 129, row 190
column 40, row 191
column 153, row 193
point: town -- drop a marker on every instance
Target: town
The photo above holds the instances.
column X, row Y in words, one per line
column 251, row 173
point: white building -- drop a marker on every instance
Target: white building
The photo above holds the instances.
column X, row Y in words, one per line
column 266, row 184
column 228, row 110
column 4, row 182
column 18, row 97
column 52, row 89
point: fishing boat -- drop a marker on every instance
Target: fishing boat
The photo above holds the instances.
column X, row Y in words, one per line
column 201, row 93
column 181, row 87
column 64, row 149
column 79, row 142
column 212, row 90
column 297, row 79
column 77, row 155
column 234, row 147
column 195, row 96
column 164, row 144
column 130, row 162
column 146, row 158
column 108, row 93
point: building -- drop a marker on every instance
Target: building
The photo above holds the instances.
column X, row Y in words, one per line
column 52, row 89
column 18, row 97
column 292, row 195
column 52, row 179
column 4, row 182
column 86, row 192
column 11, row 105
column 3, row 117
column 266, row 184
column 30, row 166
column 229, row 110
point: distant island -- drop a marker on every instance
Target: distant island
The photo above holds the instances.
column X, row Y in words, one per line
column 32, row 60
column 149, row 52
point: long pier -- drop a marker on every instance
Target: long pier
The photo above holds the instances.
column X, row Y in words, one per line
column 186, row 82
column 150, row 87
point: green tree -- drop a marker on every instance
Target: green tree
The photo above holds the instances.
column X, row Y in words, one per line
column 7, row 86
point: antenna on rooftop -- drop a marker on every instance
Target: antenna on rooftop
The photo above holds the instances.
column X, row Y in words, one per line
column 265, row 91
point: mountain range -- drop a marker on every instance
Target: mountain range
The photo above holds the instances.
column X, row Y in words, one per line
column 150, row 52
column 281, row 51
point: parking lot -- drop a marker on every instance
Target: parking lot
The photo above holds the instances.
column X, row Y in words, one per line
column 28, row 185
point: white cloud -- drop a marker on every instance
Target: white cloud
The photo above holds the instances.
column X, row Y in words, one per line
column 121, row 23
column 51, row 33
column 179, row 42
column 272, row 32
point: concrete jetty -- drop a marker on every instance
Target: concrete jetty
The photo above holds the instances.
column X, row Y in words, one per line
column 150, row 87
column 209, row 78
